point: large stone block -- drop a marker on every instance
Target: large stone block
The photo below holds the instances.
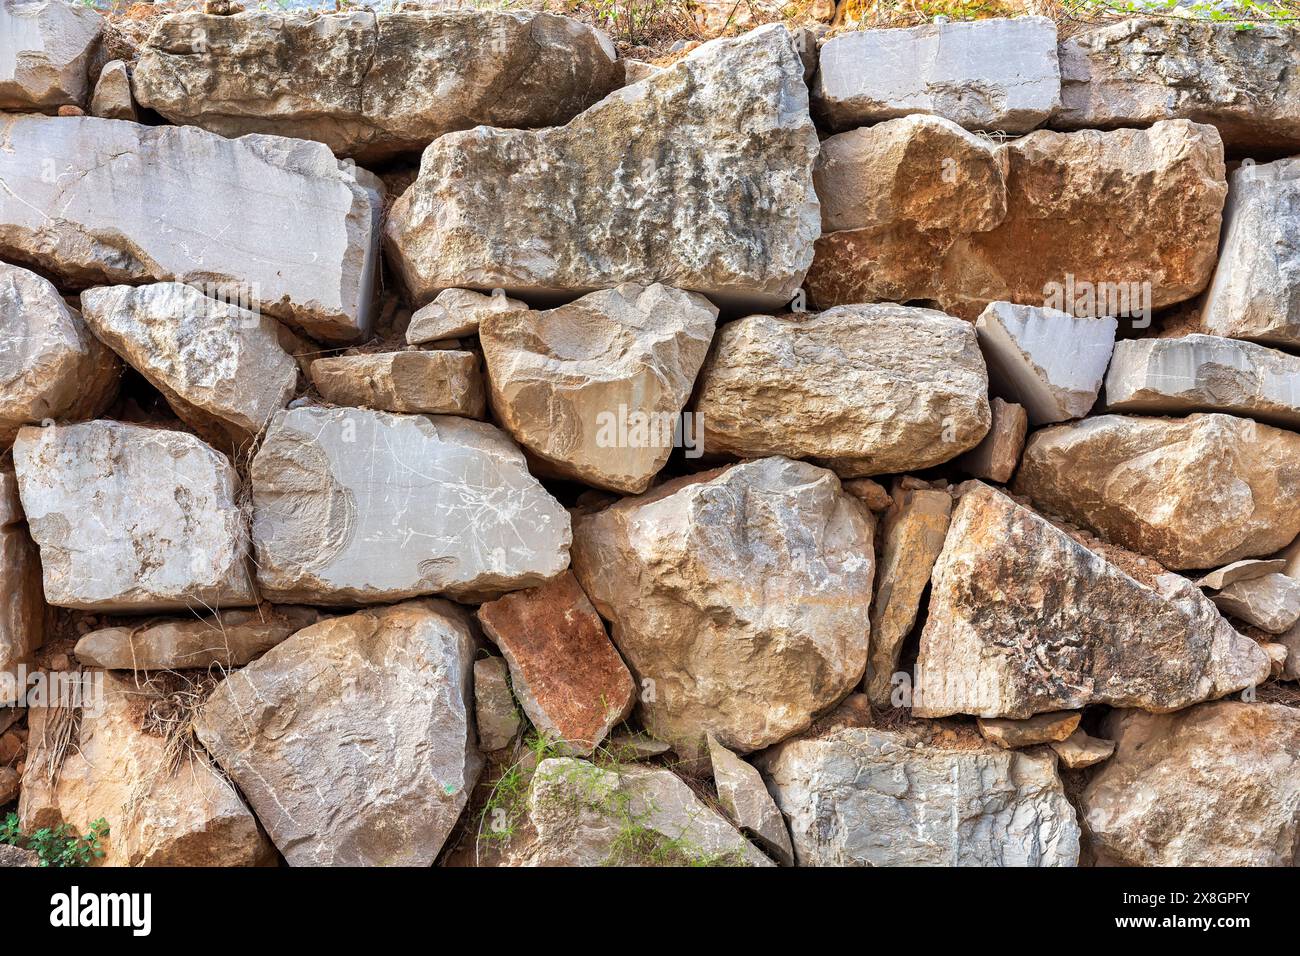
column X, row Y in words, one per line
column 45, row 51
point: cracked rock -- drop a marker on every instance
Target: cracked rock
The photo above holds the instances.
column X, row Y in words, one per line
column 45, row 51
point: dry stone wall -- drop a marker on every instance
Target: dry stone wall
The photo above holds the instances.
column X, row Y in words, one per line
column 430, row 437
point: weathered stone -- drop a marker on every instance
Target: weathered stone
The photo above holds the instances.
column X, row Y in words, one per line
column 112, row 97
column 495, row 713
column 1271, row 602
column 45, row 52
column 456, row 312
column 1195, row 492
column 865, row 389
column 912, row 537
column 22, row 603
column 1038, row 729
column 356, row 506
column 12, row 856
column 164, row 805
column 133, row 519
column 1256, row 289
column 866, row 797
column 884, row 174
column 1046, row 360
column 1143, row 209
column 745, row 799
column 998, row 455
column 220, row 366
column 1215, row 785
column 584, row 815
column 740, row 596
column 1025, row 619
column 567, row 675
column 353, row 740
column 1141, row 70
column 1204, row 373
column 225, row 639
column 870, row 493
column 442, row 382
column 595, row 388
column 627, row 747
column 699, row 177
column 51, row 367
column 189, row 199
column 1241, row 571
column 372, row 85
column 1080, row 750
column 11, row 506
column 1291, row 664
column 984, row 74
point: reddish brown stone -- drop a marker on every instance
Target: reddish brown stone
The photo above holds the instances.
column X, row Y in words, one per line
column 567, row 675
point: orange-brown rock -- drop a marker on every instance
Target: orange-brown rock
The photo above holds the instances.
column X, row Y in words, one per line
column 996, row 457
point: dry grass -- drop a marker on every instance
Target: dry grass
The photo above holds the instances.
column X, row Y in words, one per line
column 168, row 703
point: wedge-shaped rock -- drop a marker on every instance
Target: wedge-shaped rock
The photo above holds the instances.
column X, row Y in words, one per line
column 699, row 177
column 112, row 97
column 1242, row 571
column 739, row 598
column 996, row 457
column 866, row 389
column 1026, row 619
column 1080, row 750
column 164, row 806
column 912, row 537
column 445, row 382
column 226, row 639
column 1215, row 785
column 51, row 366
column 1145, row 69
column 456, row 312
column 22, row 603
column 1143, row 208
column 866, row 797
column 371, row 85
column 744, row 797
column 45, row 51
column 568, row 677
column 884, row 174
column 1204, row 373
column 595, row 388
column 220, row 366
column 1046, row 360
column 189, row 217
column 1270, row 602
column 353, row 740
column 985, row 74
column 1194, row 492
column 630, row 815
column 132, row 519
column 495, row 713
column 1038, row 729
column 355, row 506
column 1256, row 289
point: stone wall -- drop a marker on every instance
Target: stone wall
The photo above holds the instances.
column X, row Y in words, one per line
column 430, row 437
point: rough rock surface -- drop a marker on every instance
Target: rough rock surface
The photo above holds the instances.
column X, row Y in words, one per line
column 456, row 312
column 1270, row 602
column 1256, row 289
column 1242, row 571
column 22, row 603
column 45, row 51
column 738, row 597
column 356, row 506
column 911, row 538
column 495, row 713
column 12, row 856
column 51, row 366
column 997, row 456
column 112, row 97
column 1215, row 785
column 578, row 813
column 1045, row 360
column 866, row 390
column 699, row 177
column 132, row 519
column 373, row 85
column 1142, row 70
column 745, row 799
column 158, row 813
column 867, row 797
column 1194, row 492
column 1026, row 619
column 443, row 382
column 1038, row 729
column 189, row 189
column 220, row 366
column 225, row 639
column 594, row 388
column 984, row 74
column 567, row 675
column 353, row 740
column 1080, row 750
column 1118, row 222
